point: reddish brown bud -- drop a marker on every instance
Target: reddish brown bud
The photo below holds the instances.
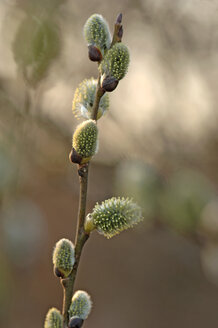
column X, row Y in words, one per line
column 75, row 157
column 109, row 84
column 75, row 322
column 58, row 273
column 119, row 19
column 94, row 54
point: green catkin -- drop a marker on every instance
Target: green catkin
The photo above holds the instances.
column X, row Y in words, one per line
column 63, row 257
column 97, row 33
column 85, row 140
column 81, row 305
column 35, row 46
column 84, row 99
column 115, row 62
column 53, row 319
column 114, row 215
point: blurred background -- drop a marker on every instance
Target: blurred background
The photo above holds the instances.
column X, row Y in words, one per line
column 158, row 144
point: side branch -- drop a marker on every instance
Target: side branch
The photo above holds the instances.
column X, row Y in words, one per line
column 118, row 31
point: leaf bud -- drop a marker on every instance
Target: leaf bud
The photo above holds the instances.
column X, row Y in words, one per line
column 119, row 19
column 81, row 305
column 63, row 258
column 89, row 224
column 53, row 319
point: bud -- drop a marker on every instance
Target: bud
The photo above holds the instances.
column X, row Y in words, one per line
column 84, row 98
column 115, row 63
column 81, row 305
column 98, row 37
column 115, row 215
column 120, row 33
column 63, row 258
column 85, row 140
column 109, row 84
column 89, row 224
column 119, row 19
column 94, row 53
column 75, row 322
column 53, row 319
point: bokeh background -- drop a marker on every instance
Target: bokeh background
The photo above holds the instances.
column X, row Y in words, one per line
column 158, row 144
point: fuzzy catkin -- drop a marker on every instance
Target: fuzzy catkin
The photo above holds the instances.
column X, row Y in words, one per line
column 115, row 215
column 84, row 98
column 97, row 33
column 115, row 62
column 81, row 305
column 35, row 46
column 53, row 319
column 85, row 139
column 63, row 257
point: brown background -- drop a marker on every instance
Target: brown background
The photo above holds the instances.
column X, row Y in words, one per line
column 163, row 114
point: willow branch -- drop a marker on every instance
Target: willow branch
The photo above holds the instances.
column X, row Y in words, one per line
column 81, row 235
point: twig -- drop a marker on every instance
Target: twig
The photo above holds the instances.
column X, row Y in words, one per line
column 118, row 30
column 81, row 238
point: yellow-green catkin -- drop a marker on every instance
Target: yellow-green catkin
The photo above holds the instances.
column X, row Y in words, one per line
column 35, row 46
column 97, row 33
column 115, row 63
column 85, row 140
column 63, row 258
column 115, row 215
column 81, row 305
column 53, row 319
column 84, row 97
